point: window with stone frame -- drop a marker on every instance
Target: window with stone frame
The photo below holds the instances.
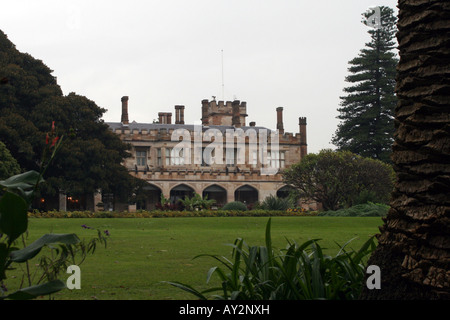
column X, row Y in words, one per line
column 276, row 159
column 159, row 157
column 141, row 157
column 174, row 158
column 206, row 157
column 253, row 157
column 230, row 157
column 168, row 156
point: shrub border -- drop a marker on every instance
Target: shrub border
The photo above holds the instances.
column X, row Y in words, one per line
column 168, row 214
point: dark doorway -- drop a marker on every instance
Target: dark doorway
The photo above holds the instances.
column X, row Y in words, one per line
column 180, row 192
column 217, row 193
column 246, row 194
column 284, row 192
column 148, row 197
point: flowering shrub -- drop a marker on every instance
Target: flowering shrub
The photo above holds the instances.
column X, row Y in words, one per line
column 296, row 210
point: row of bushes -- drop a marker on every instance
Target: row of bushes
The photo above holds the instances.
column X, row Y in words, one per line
column 363, row 210
column 168, row 214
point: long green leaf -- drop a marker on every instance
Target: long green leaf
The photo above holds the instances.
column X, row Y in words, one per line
column 227, row 263
column 23, row 184
column 24, row 181
column 236, row 264
column 364, row 250
column 38, row 290
column 13, row 215
column 3, row 256
column 187, row 288
column 269, row 239
column 47, row 239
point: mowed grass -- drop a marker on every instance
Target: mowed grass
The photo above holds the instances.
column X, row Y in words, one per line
column 143, row 252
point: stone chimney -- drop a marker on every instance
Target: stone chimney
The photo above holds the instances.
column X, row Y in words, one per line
column 243, row 112
column 124, row 118
column 280, row 125
column 303, row 143
column 165, row 117
column 179, row 114
column 205, row 107
column 236, row 114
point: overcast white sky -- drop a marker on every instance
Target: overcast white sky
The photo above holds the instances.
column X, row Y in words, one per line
column 288, row 53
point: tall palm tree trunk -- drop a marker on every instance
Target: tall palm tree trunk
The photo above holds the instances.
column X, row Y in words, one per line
column 414, row 244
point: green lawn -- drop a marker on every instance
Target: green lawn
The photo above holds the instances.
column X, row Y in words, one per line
column 142, row 252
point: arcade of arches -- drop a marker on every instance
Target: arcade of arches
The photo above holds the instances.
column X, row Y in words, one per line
column 221, row 194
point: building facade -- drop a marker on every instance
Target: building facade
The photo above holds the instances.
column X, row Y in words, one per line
column 223, row 158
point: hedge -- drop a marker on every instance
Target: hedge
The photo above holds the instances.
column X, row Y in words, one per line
column 361, row 210
column 168, row 214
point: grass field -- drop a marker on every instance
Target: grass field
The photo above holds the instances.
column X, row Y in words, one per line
column 143, row 252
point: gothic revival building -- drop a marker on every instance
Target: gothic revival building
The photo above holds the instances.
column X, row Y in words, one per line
column 223, row 158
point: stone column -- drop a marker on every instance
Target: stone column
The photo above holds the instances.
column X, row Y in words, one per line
column 230, row 192
column 62, row 201
column 97, row 200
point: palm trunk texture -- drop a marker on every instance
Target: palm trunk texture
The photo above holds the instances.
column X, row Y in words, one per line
column 414, row 244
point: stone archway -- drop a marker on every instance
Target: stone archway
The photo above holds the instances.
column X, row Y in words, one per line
column 284, row 192
column 151, row 196
column 180, row 192
column 217, row 193
column 246, row 194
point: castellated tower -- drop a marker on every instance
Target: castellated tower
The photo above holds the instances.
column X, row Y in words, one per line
column 231, row 113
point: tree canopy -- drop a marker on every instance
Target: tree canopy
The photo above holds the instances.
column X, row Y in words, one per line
column 8, row 165
column 367, row 109
column 30, row 101
column 338, row 179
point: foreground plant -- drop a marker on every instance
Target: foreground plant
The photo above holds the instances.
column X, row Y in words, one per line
column 300, row 272
column 16, row 196
column 196, row 202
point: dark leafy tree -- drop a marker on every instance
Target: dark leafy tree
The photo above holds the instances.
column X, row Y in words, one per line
column 30, row 101
column 8, row 165
column 367, row 111
column 337, row 179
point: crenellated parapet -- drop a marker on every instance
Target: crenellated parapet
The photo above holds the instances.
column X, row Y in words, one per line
column 224, row 113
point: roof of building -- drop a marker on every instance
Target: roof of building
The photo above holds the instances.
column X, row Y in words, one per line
column 157, row 126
